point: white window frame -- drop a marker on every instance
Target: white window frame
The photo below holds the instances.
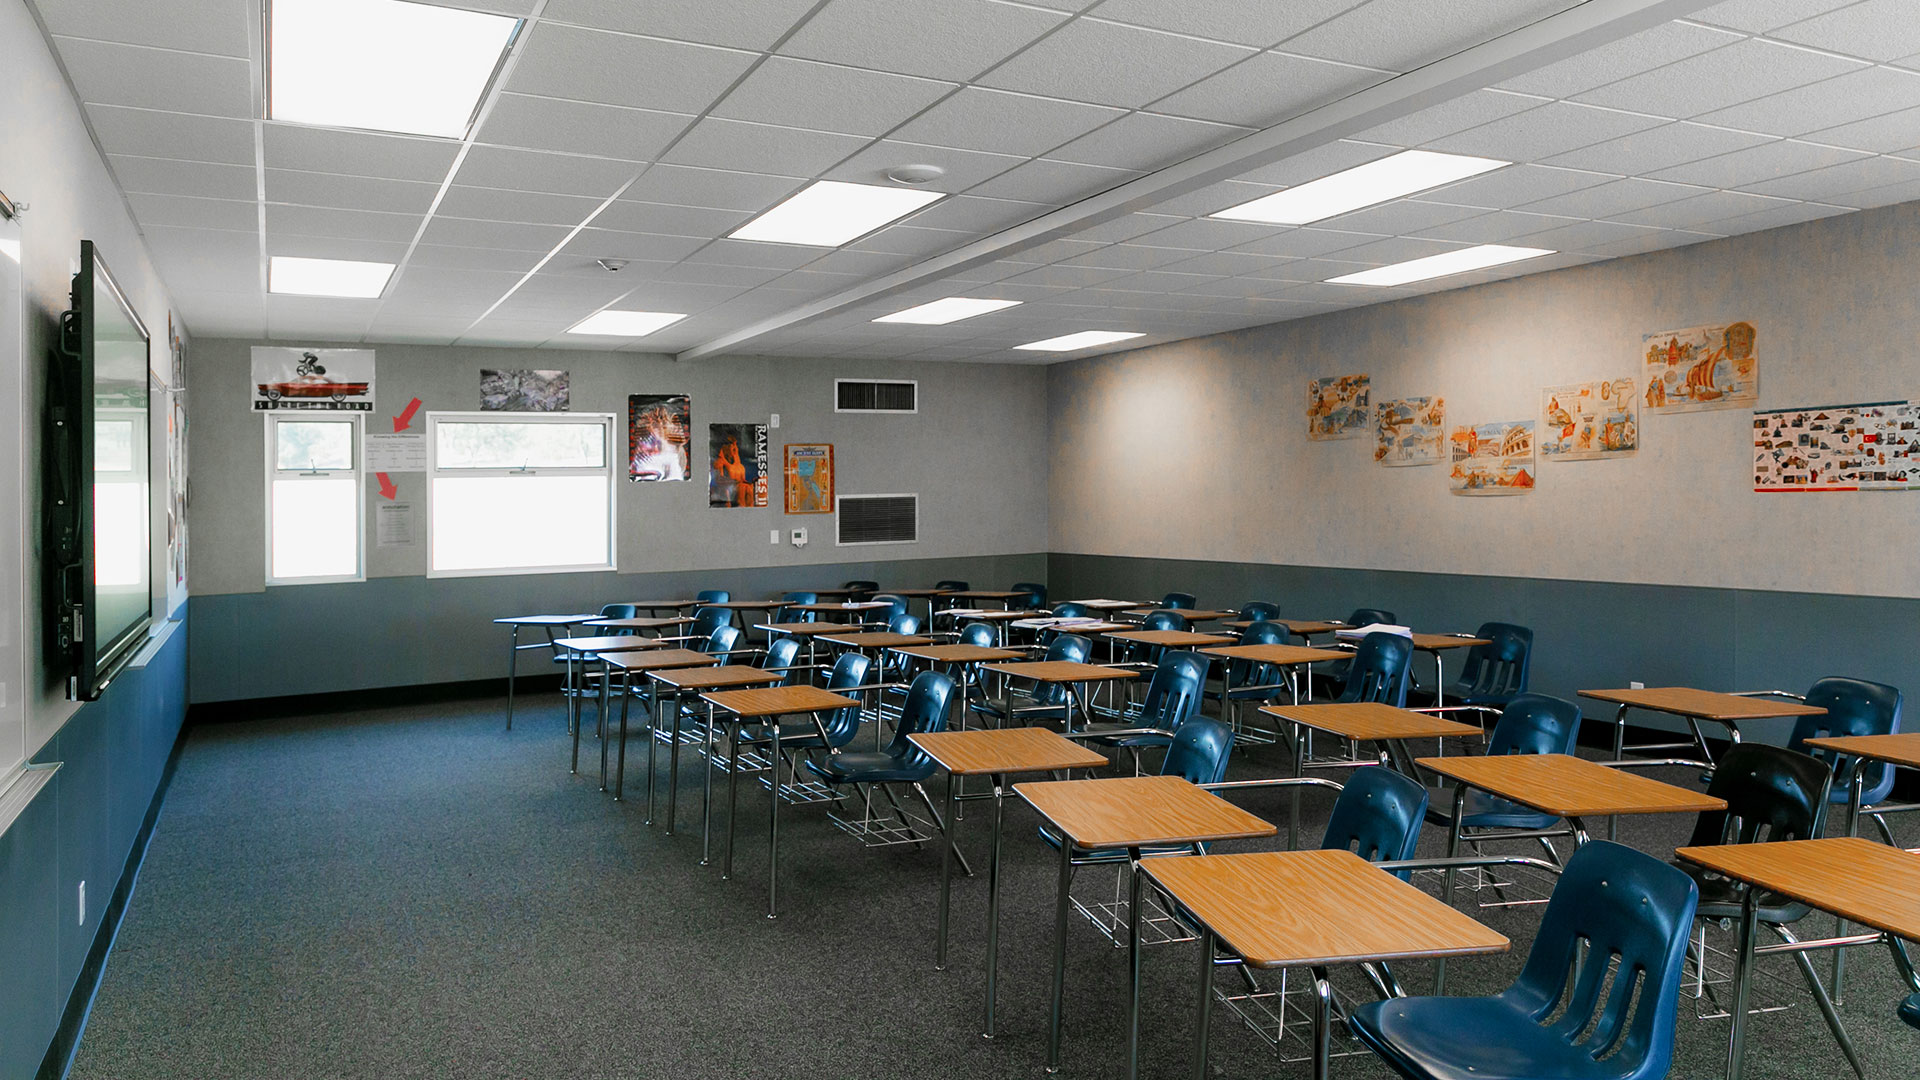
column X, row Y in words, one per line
column 610, row 469
column 359, row 472
column 838, row 498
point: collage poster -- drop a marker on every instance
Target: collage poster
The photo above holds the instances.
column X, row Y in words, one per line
column 736, row 465
column 337, row 379
column 1410, row 431
column 1590, row 420
column 1337, row 407
column 1492, row 459
column 1871, row 447
column 658, row 429
column 524, row 391
column 809, row 476
column 1703, row 367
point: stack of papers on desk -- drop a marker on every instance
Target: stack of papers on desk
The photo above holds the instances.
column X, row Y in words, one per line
column 1358, row 632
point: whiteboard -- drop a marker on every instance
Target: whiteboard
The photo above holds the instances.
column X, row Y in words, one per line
column 14, row 623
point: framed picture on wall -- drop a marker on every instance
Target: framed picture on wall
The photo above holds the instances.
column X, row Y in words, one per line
column 809, row 476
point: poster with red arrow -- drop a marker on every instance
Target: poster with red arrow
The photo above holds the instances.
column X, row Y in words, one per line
column 404, row 449
column 322, row 379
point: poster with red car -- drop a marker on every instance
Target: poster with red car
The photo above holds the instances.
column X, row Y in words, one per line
column 320, row 379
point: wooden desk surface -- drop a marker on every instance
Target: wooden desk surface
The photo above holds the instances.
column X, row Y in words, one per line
column 977, row 615
column 852, row 605
column 1703, row 704
column 800, row 629
column 989, row 594
column 1192, row 615
column 1901, row 749
column 1062, row 671
column 1302, row 627
column 1005, row 750
column 663, row 605
column 1371, row 721
column 713, row 677
column 917, row 594
column 1129, row 811
column 1567, row 786
column 957, row 654
column 877, row 639
column 613, row 644
column 658, row 659
column 547, row 620
column 777, row 700
column 1278, row 654
column 1297, row 908
column 1173, row 638
column 834, row 592
column 1437, row 642
column 748, row 605
column 641, row 622
column 1850, row 876
column 1107, row 605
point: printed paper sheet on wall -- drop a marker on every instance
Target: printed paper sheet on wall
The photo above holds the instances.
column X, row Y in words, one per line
column 659, row 427
column 736, row 465
column 1410, row 431
column 1337, row 407
column 809, row 477
column 312, row 379
column 1492, row 459
column 1590, row 420
column 1702, row 367
column 522, row 390
column 1868, row 447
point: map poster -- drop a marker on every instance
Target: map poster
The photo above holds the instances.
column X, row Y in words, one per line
column 809, row 476
column 1868, row 447
column 1337, row 407
column 1703, row 367
column 736, row 465
column 658, row 429
column 1492, row 459
column 1410, row 431
column 1590, row 420
column 326, row 379
column 521, row 390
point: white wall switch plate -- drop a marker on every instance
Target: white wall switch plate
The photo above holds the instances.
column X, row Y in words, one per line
column 775, row 422
column 775, row 538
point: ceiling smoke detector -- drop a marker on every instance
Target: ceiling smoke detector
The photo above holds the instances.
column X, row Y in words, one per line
column 612, row 266
column 915, row 175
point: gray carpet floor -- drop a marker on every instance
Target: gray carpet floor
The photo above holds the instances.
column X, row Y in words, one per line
column 415, row 892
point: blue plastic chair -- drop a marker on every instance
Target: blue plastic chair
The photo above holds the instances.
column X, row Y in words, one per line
column 1179, row 600
column 704, row 621
column 720, row 640
column 713, row 596
column 1627, row 906
column 1036, row 594
column 799, row 733
column 1530, row 724
column 1043, row 701
column 1333, row 673
column 1070, row 611
column 1854, row 707
column 1497, row 672
column 1137, row 653
column 978, row 634
column 1197, row 754
column 1259, row 611
column 1378, row 817
column 900, row 762
column 1172, row 701
column 1378, row 670
column 952, row 583
column 1367, row 616
column 858, row 589
column 783, row 655
column 899, row 603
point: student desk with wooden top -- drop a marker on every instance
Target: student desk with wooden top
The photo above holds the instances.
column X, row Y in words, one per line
column 1280, row 656
column 1004, row 597
column 1693, row 706
column 1437, row 645
column 805, row 631
column 997, row 619
column 856, row 610
column 1361, row 721
column 1192, row 615
column 1130, row 814
column 627, row 664
column 641, row 622
column 673, row 686
column 1900, row 750
column 1108, row 605
column 738, row 607
column 768, row 703
column 1312, row 909
column 584, row 650
column 996, row 754
column 651, row 606
column 1303, row 629
column 967, row 658
column 549, row 623
column 1075, row 676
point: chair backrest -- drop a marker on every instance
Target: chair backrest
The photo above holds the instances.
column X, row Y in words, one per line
column 1199, row 752
column 619, row 611
column 1854, row 707
column 860, row 590
column 785, row 612
column 1367, row 616
column 951, row 583
column 706, row 619
column 849, row 671
column 1627, row 907
column 1378, row 816
column 713, row 596
column 1378, row 670
column 1036, row 593
column 1248, row 673
column 1179, row 600
column 1164, row 620
column 1772, row 793
column 1258, row 610
column 783, row 653
column 1499, row 668
column 1535, row 724
column 1173, row 694
column 978, row 634
column 1264, row 633
column 1068, row 648
column 899, row 604
column 721, row 639
column 929, row 697
column 1070, row 611
column 904, row 624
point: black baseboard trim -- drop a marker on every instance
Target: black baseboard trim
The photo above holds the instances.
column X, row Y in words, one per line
column 73, row 1019
column 385, row 697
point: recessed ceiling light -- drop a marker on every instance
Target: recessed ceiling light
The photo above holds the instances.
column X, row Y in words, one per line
column 382, row 65
column 1447, row 262
column 828, row 213
column 327, row 277
column 625, row 323
column 1375, row 182
column 951, row 309
column 1085, row 339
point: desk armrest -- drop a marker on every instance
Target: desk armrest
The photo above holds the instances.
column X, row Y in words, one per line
column 1396, row 865
column 1112, row 734
column 1285, row 781
column 1788, row 694
column 1438, row 710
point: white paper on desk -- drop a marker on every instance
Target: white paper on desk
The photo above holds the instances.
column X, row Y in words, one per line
column 1358, row 632
column 963, row 611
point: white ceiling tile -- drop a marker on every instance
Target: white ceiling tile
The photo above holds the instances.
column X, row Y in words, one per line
column 940, row 39
column 1657, row 148
column 1553, row 128
column 735, row 144
column 1213, row 198
column 108, row 73
column 1307, row 243
column 492, row 204
column 1906, row 191
column 343, row 224
column 1834, row 183
column 467, row 291
column 1111, row 64
column 753, row 253
column 1207, row 234
column 1497, row 227
column 1760, row 16
column 218, row 27
column 828, row 97
column 1127, row 227
column 1458, row 114
column 1216, row 263
column 1613, row 199
column 205, row 259
column 349, row 192
column 1892, row 133
column 357, row 153
column 194, row 213
column 162, row 176
column 1656, row 241
column 1699, row 211
column 179, row 136
column 679, row 185
column 581, row 127
column 754, row 25
column 618, row 69
column 643, row 248
column 1740, row 72
column 1765, row 162
column 465, row 232
column 1267, row 89
column 969, row 214
column 335, row 247
column 1130, row 257
column 1400, row 35
column 1260, row 23
column 859, row 263
column 1146, row 141
column 961, row 169
column 532, row 170
column 1397, row 249
column 1876, row 29
column 1504, row 189
column 1346, row 295
column 909, row 240
column 643, row 217
column 1402, row 217
column 1858, row 95
column 1004, row 123
column 1317, row 162
column 1668, row 43
column 1078, row 277
column 1056, row 182
column 461, row 258
column 1052, row 251
column 1584, row 236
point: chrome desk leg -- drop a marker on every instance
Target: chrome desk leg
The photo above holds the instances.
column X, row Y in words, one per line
column 1205, row 1010
column 993, row 901
column 600, row 719
column 733, row 792
column 1446, row 876
column 620, row 769
column 773, row 829
column 1619, row 754
column 1439, row 679
column 513, row 662
column 1856, row 792
column 573, row 715
column 706, row 797
column 1322, row 1023
column 606, row 679
column 673, row 755
column 1742, row 986
column 1060, row 952
column 1299, row 771
column 946, row 882
column 1136, row 894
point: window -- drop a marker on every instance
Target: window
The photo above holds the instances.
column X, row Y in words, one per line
column 314, row 500
column 533, row 494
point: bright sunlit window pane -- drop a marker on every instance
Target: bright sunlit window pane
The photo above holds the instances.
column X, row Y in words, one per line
column 113, row 445
column 520, row 446
column 316, row 528
column 119, row 517
column 313, row 445
column 520, row 522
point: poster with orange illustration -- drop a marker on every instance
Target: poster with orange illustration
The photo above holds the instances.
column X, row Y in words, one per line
column 1337, row 407
column 1590, row 420
column 1492, row 459
column 1702, row 367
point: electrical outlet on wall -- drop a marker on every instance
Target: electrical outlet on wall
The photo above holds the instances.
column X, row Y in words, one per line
column 83, row 903
column 1636, row 685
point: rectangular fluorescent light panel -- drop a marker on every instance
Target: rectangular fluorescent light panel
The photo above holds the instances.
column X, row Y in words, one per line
column 290, row 276
column 951, row 309
column 382, row 65
column 1375, row 182
column 1085, row 339
column 828, row 213
column 625, row 323
column 1447, row 262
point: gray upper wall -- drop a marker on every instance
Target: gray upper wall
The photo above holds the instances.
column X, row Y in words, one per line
column 1198, row 449
column 975, row 453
